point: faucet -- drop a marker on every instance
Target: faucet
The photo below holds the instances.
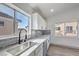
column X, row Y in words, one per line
column 20, row 35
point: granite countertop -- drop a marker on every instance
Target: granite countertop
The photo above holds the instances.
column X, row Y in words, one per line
column 39, row 40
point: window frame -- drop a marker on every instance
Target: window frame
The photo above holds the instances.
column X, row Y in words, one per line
column 15, row 8
column 22, row 14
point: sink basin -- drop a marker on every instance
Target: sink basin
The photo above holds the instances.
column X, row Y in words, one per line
column 20, row 48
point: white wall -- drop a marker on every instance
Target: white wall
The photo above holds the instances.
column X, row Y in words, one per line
column 71, row 15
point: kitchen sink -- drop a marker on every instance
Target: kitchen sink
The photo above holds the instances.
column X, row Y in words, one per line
column 19, row 49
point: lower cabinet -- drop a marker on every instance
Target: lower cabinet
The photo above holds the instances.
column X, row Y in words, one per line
column 48, row 42
column 42, row 49
column 32, row 54
column 39, row 50
column 45, row 48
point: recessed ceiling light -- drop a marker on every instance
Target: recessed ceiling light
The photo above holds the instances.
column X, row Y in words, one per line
column 51, row 10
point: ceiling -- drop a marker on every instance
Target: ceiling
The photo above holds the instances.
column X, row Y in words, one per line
column 59, row 8
column 44, row 8
column 24, row 6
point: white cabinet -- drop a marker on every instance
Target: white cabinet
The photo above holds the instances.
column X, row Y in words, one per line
column 32, row 54
column 48, row 42
column 38, row 22
column 34, row 21
column 39, row 50
column 42, row 49
column 45, row 48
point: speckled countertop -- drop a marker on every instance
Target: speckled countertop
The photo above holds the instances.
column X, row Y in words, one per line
column 39, row 40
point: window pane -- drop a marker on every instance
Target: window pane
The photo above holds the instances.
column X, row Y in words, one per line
column 1, row 23
column 6, row 20
column 6, row 10
column 69, row 29
column 57, row 28
column 21, row 19
column 59, row 31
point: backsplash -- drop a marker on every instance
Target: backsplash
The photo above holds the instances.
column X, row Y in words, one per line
column 8, row 41
column 37, row 33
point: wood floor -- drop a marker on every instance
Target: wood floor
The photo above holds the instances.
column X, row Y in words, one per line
column 55, row 50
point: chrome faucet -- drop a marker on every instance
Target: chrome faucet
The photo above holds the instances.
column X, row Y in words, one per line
column 20, row 35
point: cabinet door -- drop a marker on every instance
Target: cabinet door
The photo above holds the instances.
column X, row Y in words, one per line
column 38, row 22
column 41, row 23
column 48, row 41
column 35, row 21
column 32, row 54
column 45, row 48
column 47, row 44
column 39, row 51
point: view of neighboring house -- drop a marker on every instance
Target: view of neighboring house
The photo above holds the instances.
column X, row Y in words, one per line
column 6, row 24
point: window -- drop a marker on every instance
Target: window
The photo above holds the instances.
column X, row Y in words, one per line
column 6, row 11
column 69, row 29
column 59, row 29
column 1, row 23
column 66, row 29
column 11, row 20
column 22, row 20
column 6, row 20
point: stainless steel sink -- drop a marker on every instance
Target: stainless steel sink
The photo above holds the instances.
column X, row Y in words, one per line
column 20, row 48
